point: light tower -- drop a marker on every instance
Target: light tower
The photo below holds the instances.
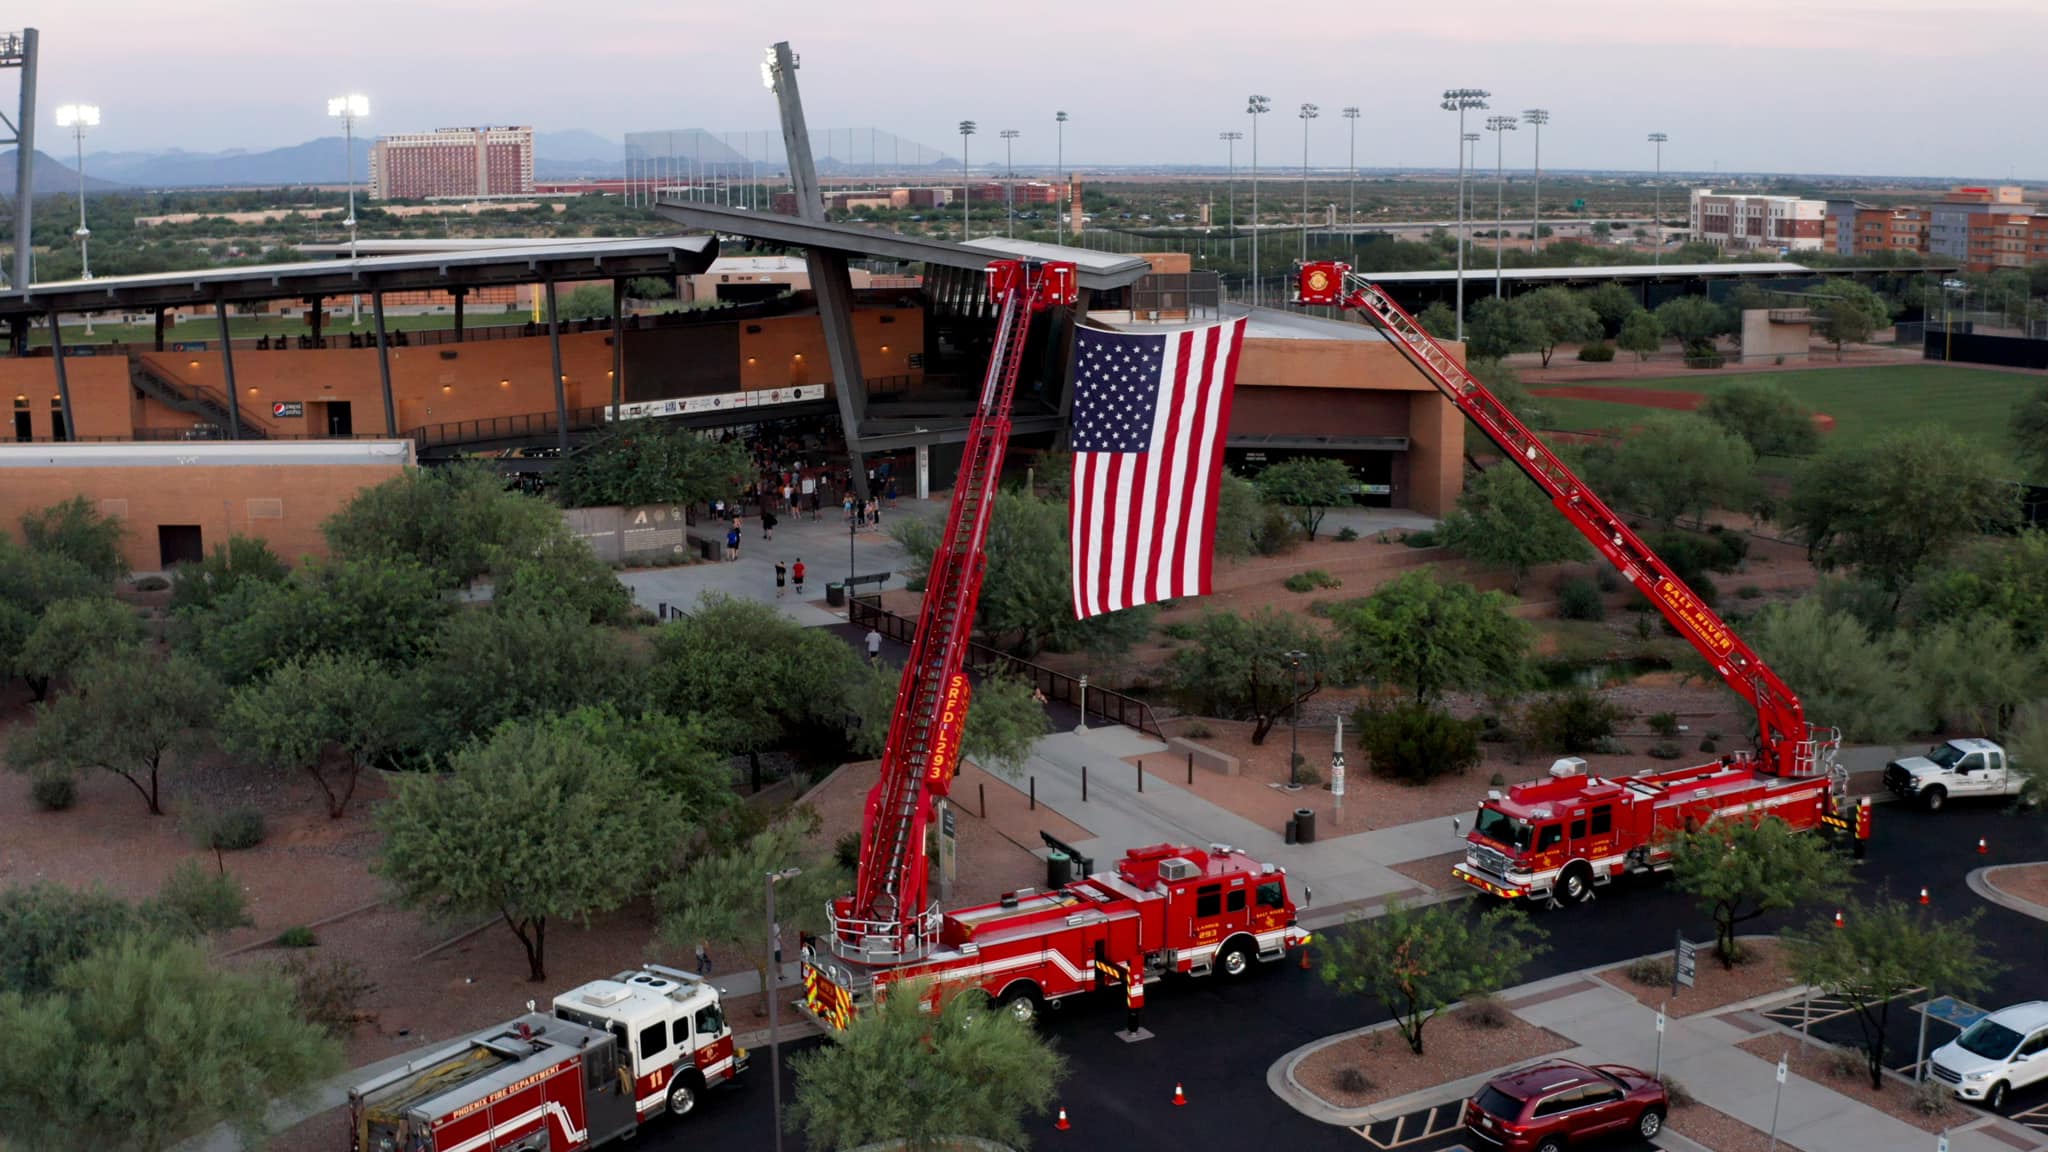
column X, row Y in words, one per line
column 1657, row 224
column 966, row 194
column 1308, row 113
column 349, row 108
column 1500, row 126
column 1230, row 140
column 79, row 117
column 1536, row 118
column 1009, row 184
column 1059, row 164
column 1256, row 106
column 1351, row 182
column 1462, row 100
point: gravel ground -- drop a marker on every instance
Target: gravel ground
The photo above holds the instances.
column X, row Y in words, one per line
column 1433, row 871
column 1763, row 973
column 2026, row 882
column 1453, row 1048
column 1717, row 1129
column 1895, row 1099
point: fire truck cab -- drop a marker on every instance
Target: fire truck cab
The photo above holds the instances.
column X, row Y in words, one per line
column 671, row 1032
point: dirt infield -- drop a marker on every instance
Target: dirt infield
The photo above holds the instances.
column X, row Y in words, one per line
column 1665, row 398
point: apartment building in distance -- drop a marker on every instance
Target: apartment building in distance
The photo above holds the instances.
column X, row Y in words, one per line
column 1982, row 228
column 452, row 162
column 1739, row 223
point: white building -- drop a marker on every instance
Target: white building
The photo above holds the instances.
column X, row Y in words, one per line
column 1742, row 223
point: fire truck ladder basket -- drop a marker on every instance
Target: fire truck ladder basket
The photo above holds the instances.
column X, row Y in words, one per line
column 890, row 919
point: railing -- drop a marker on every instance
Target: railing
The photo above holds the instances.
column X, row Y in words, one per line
column 190, row 396
column 1112, row 706
column 505, row 427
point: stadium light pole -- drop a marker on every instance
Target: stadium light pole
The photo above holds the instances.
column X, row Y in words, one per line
column 350, row 107
column 1230, row 140
column 1009, row 185
column 1059, row 165
column 1657, row 223
column 79, row 117
column 966, row 195
column 1536, row 118
column 1308, row 113
column 1500, row 126
column 1256, row 106
column 1351, row 180
column 1462, row 100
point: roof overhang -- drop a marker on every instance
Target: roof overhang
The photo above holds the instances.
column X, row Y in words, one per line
column 426, row 271
column 1096, row 270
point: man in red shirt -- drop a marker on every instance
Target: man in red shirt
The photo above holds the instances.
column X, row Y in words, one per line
column 796, row 575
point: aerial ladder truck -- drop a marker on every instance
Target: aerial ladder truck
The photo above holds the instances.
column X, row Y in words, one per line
column 1555, row 839
column 1164, row 909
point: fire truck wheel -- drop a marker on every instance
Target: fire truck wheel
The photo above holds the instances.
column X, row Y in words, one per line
column 682, row 1095
column 1575, row 886
column 1020, row 1000
column 1236, row 960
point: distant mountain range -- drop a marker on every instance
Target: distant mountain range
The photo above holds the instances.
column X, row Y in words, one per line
column 53, row 178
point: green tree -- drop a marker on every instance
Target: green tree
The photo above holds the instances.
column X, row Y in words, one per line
column 290, row 720
column 387, row 611
column 196, row 587
column 2026, row 749
column 1494, row 330
column 2030, row 432
column 1309, row 486
column 1438, row 320
column 1614, row 304
column 144, row 1042
column 1500, row 379
column 72, row 633
column 587, row 302
column 1883, row 951
column 1556, row 315
column 1847, row 677
column 1416, row 743
column 128, row 713
column 1429, row 637
column 1641, row 334
column 1678, row 463
column 76, row 531
column 563, row 575
column 1694, row 321
column 45, row 926
column 675, row 755
column 196, row 903
column 1973, row 674
column 899, row 1073
column 650, row 288
column 485, row 668
column 1239, row 507
column 1503, row 520
column 1419, row 961
column 1764, row 415
column 1237, row 667
column 1848, row 313
column 457, row 523
column 649, row 463
column 532, row 825
column 2002, row 578
column 1891, row 506
column 722, row 897
column 1740, row 871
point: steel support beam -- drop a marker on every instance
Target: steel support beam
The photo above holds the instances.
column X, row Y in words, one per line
column 460, row 295
column 833, row 286
column 796, row 137
column 63, row 381
column 618, row 344
column 227, row 369
column 383, row 360
column 555, row 352
column 25, row 176
column 159, row 329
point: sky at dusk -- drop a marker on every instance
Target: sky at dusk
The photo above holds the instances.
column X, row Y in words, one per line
column 1853, row 86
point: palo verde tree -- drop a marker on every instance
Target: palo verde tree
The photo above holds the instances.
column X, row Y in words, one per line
column 73, row 633
column 457, row 523
column 291, row 719
column 1308, row 486
column 1883, row 951
column 1695, row 322
column 1678, row 463
column 129, row 713
column 1848, row 313
column 75, row 530
column 1238, row 668
column 1503, row 520
column 1557, row 315
column 533, row 825
column 1642, row 334
column 1428, row 637
column 1419, row 961
column 650, row 463
column 924, row 1078
column 1764, row 415
column 721, row 897
column 1846, row 675
column 1741, row 871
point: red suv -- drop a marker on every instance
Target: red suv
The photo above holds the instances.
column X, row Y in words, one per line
column 1545, row 1107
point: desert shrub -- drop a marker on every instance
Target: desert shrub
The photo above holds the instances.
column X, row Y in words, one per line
column 1196, row 730
column 1708, row 745
column 1492, row 730
column 328, row 993
column 1651, row 971
column 1664, row 724
column 1275, row 532
column 1749, row 592
column 1730, row 548
column 1347, row 534
column 1676, row 1093
column 1311, row 580
column 1423, row 539
column 1933, row 1098
column 1666, row 750
column 1497, row 780
column 1308, row 774
column 297, row 936
column 1178, row 630
column 53, row 791
column 1607, row 579
column 1579, row 599
column 1415, row 743
column 1845, row 1064
column 152, row 584
column 1486, row 1011
column 226, row 830
column 1598, row 352
column 1354, row 1081
column 1571, row 721
column 1705, row 360
column 846, row 850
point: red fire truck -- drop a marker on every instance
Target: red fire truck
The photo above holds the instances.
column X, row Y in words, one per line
column 1557, row 839
column 1164, row 909
column 613, row 1055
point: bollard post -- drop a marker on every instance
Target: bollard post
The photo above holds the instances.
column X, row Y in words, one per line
column 1084, row 783
column 1034, row 793
column 1141, row 777
column 661, row 610
column 983, row 789
column 1191, row 769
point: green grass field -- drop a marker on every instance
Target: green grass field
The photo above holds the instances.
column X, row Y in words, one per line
column 1865, row 402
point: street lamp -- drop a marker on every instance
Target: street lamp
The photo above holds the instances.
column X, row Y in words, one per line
column 79, row 117
column 1059, row 164
column 350, row 107
column 1351, row 182
column 966, row 194
column 1255, row 107
column 1500, row 126
column 1461, row 100
column 1657, row 224
column 1009, row 184
column 1230, row 140
column 1294, row 660
column 1308, row 113
column 1536, row 118
column 774, row 977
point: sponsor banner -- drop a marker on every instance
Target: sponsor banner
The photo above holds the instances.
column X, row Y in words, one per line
column 723, row 402
column 288, row 409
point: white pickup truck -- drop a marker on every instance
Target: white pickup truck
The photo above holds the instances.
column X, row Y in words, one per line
column 1968, row 767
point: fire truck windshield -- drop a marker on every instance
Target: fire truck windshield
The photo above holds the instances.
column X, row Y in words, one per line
column 1502, row 828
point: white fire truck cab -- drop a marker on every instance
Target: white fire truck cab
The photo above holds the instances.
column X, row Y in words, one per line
column 671, row 1030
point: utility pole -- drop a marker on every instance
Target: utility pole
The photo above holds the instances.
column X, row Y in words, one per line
column 1500, row 126
column 1536, row 118
column 1256, row 106
column 1461, row 100
column 1230, row 140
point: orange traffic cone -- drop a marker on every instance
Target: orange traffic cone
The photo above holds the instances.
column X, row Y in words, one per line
column 1838, row 919
column 1304, row 958
column 1923, row 896
column 1063, row 1125
column 1982, row 848
column 1179, row 1098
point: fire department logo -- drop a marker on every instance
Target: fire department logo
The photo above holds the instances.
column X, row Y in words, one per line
column 1319, row 280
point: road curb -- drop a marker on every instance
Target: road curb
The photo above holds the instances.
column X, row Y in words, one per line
column 1979, row 881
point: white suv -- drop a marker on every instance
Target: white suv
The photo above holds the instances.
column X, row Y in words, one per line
column 2005, row 1050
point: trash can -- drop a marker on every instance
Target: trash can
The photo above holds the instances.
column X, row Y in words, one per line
column 835, row 594
column 1304, row 826
column 1059, row 870
column 1287, row 831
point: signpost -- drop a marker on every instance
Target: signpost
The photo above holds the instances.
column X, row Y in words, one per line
column 1658, row 1071
column 1777, row 1100
column 1684, row 963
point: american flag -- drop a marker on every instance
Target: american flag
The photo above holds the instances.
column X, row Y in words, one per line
column 1150, row 413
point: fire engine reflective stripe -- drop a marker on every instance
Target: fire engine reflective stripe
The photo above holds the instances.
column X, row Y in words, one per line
column 550, row 1110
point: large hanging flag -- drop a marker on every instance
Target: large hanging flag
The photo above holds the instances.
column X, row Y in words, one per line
column 1150, row 414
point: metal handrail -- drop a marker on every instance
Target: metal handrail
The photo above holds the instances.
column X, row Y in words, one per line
column 504, row 427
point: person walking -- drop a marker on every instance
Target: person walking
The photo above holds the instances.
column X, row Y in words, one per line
column 889, row 493
column 732, row 541
column 703, row 959
column 768, row 522
column 796, row 575
column 846, row 506
column 781, row 575
column 874, row 647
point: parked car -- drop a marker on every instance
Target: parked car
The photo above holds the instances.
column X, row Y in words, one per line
column 1545, row 1107
column 2004, row 1051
